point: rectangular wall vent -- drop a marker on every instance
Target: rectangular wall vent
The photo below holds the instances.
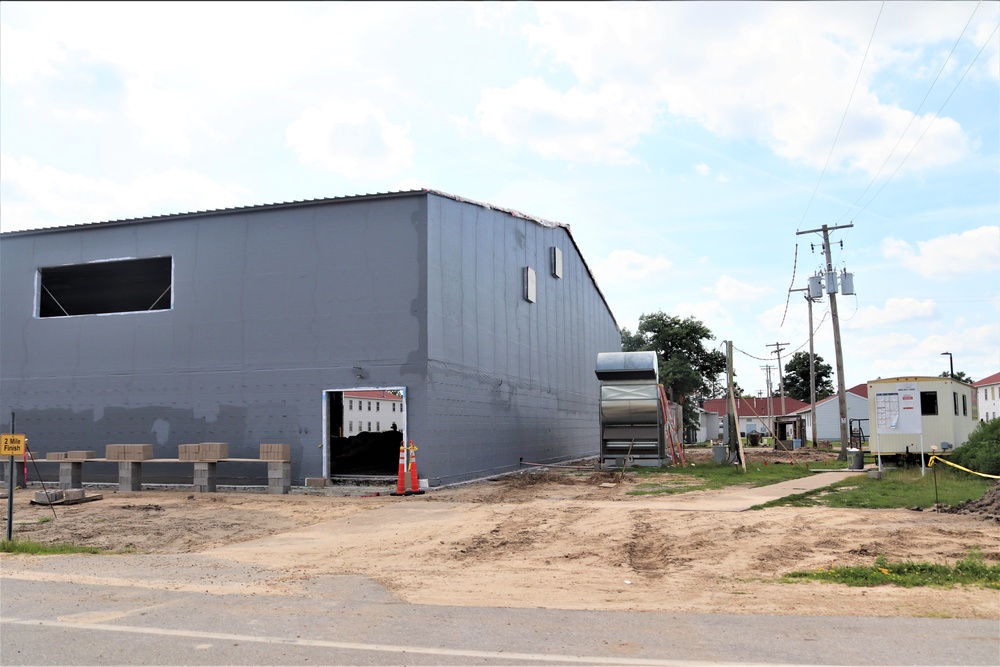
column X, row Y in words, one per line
column 556, row 262
column 529, row 284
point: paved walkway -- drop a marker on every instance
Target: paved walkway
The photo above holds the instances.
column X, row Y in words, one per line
column 741, row 499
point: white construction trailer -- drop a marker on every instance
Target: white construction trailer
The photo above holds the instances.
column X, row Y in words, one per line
column 913, row 415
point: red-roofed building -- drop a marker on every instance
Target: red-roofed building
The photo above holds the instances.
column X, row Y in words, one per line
column 988, row 397
column 754, row 414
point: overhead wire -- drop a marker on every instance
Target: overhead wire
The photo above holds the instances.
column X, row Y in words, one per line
column 914, row 117
column 936, row 116
column 850, row 99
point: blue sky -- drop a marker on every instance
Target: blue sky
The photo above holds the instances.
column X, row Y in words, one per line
column 684, row 144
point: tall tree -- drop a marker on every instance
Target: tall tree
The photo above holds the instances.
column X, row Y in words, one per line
column 687, row 369
column 797, row 377
column 959, row 375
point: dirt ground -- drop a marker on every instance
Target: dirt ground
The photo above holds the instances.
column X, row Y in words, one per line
column 550, row 539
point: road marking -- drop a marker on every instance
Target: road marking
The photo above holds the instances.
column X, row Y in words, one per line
column 353, row 646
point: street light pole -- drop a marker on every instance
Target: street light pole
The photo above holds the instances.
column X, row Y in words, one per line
column 951, row 365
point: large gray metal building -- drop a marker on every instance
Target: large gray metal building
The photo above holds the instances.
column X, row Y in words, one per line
column 247, row 325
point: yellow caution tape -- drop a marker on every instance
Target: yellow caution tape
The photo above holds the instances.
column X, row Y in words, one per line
column 930, row 462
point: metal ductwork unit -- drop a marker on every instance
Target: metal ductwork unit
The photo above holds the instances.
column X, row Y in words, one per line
column 631, row 413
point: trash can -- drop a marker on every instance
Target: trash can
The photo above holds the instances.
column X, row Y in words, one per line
column 855, row 459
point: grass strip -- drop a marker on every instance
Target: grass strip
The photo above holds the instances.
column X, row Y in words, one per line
column 970, row 571
column 39, row 549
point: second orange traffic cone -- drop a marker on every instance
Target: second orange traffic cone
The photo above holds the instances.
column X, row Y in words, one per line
column 414, row 482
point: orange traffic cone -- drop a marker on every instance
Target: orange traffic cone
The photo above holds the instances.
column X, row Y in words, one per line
column 414, row 482
column 401, row 477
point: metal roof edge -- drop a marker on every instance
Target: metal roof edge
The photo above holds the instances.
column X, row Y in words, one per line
column 325, row 200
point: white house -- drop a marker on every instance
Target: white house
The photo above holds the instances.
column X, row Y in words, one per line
column 988, row 395
column 828, row 415
column 374, row 410
column 910, row 413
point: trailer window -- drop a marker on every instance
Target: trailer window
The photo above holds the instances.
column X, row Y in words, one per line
column 97, row 288
column 928, row 403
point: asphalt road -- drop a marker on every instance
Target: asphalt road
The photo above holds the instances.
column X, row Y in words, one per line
column 60, row 610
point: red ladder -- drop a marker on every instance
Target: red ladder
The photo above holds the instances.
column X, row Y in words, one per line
column 676, row 448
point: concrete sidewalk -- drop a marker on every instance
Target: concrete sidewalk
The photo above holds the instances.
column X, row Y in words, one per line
column 741, row 499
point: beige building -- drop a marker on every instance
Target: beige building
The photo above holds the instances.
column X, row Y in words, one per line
column 907, row 414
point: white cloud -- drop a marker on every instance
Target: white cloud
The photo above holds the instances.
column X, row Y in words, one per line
column 579, row 125
column 702, row 169
column 775, row 73
column 948, row 256
column 895, row 311
column 628, row 266
column 26, row 55
column 59, row 197
column 728, row 288
column 354, row 139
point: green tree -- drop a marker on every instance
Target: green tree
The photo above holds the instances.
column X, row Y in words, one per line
column 797, row 377
column 960, row 376
column 687, row 369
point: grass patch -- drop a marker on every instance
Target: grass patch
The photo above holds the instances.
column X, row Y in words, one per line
column 897, row 488
column 39, row 549
column 970, row 571
column 44, row 519
column 652, row 481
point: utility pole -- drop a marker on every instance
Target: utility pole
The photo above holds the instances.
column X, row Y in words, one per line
column 733, row 421
column 831, row 289
column 770, row 412
column 781, row 375
column 812, row 366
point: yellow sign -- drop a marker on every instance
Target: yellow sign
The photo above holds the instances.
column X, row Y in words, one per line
column 12, row 444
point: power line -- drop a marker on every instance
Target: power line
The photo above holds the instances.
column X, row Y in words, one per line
column 937, row 115
column 915, row 114
column 788, row 298
column 850, row 99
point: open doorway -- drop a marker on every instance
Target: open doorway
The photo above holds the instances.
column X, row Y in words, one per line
column 363, row 428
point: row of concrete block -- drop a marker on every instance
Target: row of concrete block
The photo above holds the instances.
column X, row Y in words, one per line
column 202, row 451
column 279, row 475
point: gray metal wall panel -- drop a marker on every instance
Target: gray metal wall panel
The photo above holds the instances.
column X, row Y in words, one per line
column 507, row 379
column 271, row 307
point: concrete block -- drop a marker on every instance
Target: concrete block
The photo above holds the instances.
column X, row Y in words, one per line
column 128, row 452
column 80, row 455
column 315, row 482
column 74, row 494
column 129, row 476
column 48, row 496
column 213, row 451
column 55, row 456
column 275, row 452
column 70, row 475
column 204, row 477
column 188, row 452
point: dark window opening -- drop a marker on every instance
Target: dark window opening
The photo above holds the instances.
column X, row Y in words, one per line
column 123, row 286
column 955, row 396
column 928, row 403
column 965, row 407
